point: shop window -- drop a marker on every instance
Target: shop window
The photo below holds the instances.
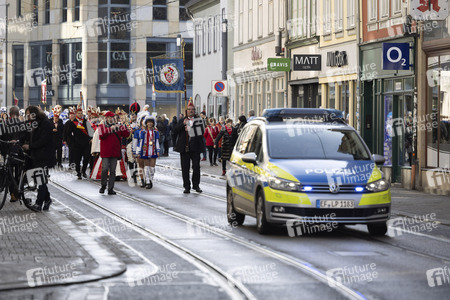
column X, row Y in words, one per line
column 331, row 95
column 345, row 100
column 438, row 112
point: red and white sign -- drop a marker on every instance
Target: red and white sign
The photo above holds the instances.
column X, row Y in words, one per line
column 429, row 10
column 219, row 88
column 44, row 92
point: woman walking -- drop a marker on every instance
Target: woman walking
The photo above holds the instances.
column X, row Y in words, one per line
column 210, row 135
column 228, row 134
column 41, row 145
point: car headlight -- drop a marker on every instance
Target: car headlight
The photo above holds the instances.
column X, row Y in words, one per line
column 285, row 185
column 378, row 186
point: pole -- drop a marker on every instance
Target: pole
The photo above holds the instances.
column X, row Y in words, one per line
column 184, row 72
column 6, row 56
column 178, row 94
column 225, row 62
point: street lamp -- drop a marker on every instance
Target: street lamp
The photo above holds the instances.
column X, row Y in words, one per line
column 179, row 94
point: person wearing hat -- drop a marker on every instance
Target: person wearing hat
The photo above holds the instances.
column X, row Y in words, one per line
column 148, row 149
column 189, row 131
column 110, row 134
column 81, row 142
column 57, row 129
column 68, row 136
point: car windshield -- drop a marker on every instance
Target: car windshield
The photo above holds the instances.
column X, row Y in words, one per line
column 315, row 143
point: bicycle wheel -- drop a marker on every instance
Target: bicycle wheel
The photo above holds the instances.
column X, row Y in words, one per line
column 28, row 194
column 4, row 183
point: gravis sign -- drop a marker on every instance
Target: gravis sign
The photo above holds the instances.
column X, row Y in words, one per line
column 311, row 62
column 279, row 64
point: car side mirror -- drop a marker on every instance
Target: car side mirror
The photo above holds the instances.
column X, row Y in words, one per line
column 249, row 158
column 379, row 160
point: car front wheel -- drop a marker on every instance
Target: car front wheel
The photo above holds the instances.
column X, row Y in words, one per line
column 377, row 229
column 262, row 225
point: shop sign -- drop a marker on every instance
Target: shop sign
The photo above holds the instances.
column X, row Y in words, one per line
column 337, row 59
column 429, row 10
column 395, row 56
column 311, row 62
column 256, row 54
column 279, row 64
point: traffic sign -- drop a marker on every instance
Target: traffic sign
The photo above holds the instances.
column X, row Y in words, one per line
column 396, row 56
column 219, row 88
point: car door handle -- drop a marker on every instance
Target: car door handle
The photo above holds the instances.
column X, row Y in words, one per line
column 233, row 162
column 244, row 167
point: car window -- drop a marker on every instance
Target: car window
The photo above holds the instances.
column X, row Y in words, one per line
column 316, row 144
column 255, row 143
column 245, row 139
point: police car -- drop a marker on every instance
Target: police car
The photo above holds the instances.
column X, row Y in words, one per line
column 307, row 165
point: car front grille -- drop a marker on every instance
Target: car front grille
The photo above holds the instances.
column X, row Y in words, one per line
column 339, row 213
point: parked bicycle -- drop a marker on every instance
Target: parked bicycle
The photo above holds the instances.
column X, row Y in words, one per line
column 25, row 192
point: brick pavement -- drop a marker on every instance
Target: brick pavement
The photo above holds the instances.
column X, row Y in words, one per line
column 42, row 249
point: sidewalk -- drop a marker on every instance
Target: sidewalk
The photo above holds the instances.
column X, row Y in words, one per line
column 405, row 202
column 48, row 249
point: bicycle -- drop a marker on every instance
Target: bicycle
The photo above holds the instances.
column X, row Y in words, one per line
column 25, row 191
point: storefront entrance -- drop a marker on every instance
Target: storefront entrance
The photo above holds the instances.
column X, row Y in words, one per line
column 306, row 96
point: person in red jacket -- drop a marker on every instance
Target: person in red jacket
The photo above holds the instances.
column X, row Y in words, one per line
column 110, row 135
column 210, row 135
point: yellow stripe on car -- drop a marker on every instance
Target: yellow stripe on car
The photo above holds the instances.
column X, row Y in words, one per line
column 286, row 197
column 280, row 173
column 376, row 175
column 376, row 198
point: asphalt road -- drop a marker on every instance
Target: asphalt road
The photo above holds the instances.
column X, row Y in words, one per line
column 180, row 246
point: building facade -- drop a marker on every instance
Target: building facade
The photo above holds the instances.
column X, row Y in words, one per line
column 103, row 49
column 387, row 95
column 208, row 18
column 255, row 88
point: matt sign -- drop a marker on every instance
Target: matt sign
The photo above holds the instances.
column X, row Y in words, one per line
column 311, row 62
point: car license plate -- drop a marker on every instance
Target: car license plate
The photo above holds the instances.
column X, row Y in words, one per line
column 337, row 204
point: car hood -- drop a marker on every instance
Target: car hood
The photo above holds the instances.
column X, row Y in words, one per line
column 325, row 172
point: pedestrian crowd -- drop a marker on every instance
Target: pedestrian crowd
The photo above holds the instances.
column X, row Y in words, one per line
column 114, row 144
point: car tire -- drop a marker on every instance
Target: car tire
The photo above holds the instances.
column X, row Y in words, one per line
column 377, row 229
column 234, row 218
column 262, row 225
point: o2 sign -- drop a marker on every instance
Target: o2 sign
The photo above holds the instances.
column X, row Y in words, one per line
column 396, row 56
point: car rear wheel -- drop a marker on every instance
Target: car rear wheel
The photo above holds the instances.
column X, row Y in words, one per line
column 261, row 222
column 377, row 229
column 234, row 218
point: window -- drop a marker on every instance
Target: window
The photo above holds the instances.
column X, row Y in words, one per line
column 241, row 21
column 215, row 33
column 19, row 8
column 41, row 59
column 210, row 29
column 270, row 16
column 35, row 12
column 159, row 10
column 183, row 14
column 119, row 19
column 18, row 67
column 338, row 9
column 313, row 17
column 204, row 35
column 260, row 18
column 327, row 17
column 155, row 49
column 281, row 14
column 47, row 12
column 198, row 39
column 120, row 55
column 351, row 13
column 64, row 11
column 397, row 6
column 71, row 64
column 188, row 61
column 76, row 17
column 384, row 8
column 436, row 122
column 331, row 95
column 250, row 20
column 373, row 10
column 219, row 31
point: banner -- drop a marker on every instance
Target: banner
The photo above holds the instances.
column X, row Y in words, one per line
column 168, row 75
column 16, row 100
column 44, row 91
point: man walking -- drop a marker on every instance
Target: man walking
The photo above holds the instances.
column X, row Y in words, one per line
column 110, row 135
column 189, row 131
column 81, row 142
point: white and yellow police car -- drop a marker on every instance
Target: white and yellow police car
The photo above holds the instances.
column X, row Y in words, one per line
column 309, row 165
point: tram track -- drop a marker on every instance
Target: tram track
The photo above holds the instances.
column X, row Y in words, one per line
column 303, row 266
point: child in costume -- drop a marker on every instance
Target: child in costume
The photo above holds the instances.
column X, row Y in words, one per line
column 148, row 149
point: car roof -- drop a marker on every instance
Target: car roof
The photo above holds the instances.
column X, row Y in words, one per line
column 300, row 124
